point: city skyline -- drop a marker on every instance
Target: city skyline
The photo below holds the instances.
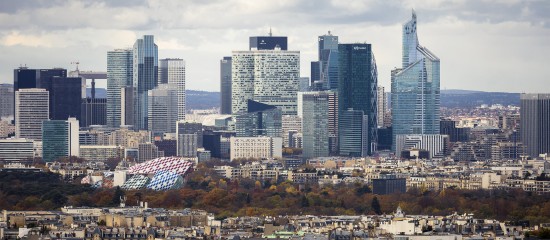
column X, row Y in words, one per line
column 468, row 35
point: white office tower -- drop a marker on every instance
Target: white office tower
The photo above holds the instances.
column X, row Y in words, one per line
column 163, row 105
column 291, row 124
column 266, row 76
column 436, row 144
column 31, row 108
column 172, row 71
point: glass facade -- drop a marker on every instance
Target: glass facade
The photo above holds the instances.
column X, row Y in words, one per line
column 225, row 85
column 358, row 81
column 55, row 143
column 162, row 102
column 315, row 124
column 172, row 71
column 260, row 120
column 119, row 75
column 354, row 136
column 145, row 77
column 415, row 91
column 328, row 61
column 66, row 97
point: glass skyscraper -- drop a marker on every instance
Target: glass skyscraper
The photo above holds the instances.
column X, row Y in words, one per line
column 260, row 120
column 328, row 61
column 415, row 88
column 315, row 123
column 60, row 138
column 535, row 123
column 119, row 75
column 354, row 140
column 163, row 101
column 172, row 71
column 225, row 85
column 357, row 89
column 145, row 77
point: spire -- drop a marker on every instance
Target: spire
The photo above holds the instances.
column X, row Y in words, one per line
column 270, row 33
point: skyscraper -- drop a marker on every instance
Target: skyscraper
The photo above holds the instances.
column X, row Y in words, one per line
column 172, row 71
column 225, row 85
column 382, row 106
column 163, row 101
column 189, row 138
column 119, row 75
column 415, row 89
column 260, row 120
column 268, row 42
column 353, row 137
column 328, row 61
column 31, row 108
column 66, row 97
column 315, row 124
column 60, row 139
column 266, row 76
column 535, row 123
column 145, row 77
column 358, row 81
column 93, row 112
column 6, row 100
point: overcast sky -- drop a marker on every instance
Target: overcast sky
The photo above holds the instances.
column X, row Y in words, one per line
column 490, row 45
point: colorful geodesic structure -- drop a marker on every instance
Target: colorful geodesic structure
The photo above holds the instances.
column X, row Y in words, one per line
column 168, row 173
column 164, row 180
column 171, row 164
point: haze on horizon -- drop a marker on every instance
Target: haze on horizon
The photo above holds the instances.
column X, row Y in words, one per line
column 490, row 45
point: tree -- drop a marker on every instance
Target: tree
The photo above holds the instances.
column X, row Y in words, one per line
column 118, row 194
column 376, row 206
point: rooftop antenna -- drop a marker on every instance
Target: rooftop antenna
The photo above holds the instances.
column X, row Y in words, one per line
column 270, row 33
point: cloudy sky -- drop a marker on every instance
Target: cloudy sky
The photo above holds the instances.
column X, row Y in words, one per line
column 491, row 45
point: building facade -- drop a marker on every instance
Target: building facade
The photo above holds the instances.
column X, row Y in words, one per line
column 66, row 95
column 315, row 124
column 16, row 149
column 353, row 138
column 415, row 93
column 328, row 61
column 93, row 112
column 358, row 81
column 259, row 120
column 436, row 144
column 119, row 76
column 225, row 85
column 7, row 99
column 172, row 71
column 31, row 108
column 255, row 147
column 163, row 102
column 60, row 138
column 145, row 77
column 535, row 123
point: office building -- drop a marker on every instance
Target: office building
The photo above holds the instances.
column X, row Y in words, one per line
column 256, row 148
column 119, row 76
column 163, row 105
column 456, row 134
column 31, row 108
column 225, row 85
column 267, row 76
column 353, row 137
column 7, row 99
column 168, row 146
column 436, row 144
column 101, row 152
column 389, row 184
column 290, row 123
column 415, row 88
column 93, row 112
column 328, row 61
column 189, row 137
column 145, row 77
column 358, row 82
column 172, row 71
column 66, row 95
column 535, row 123
column 6, row 128
column 304, row 84
column 315, row 74
column 127, row 106
column 60, row 138
column 16, row 149
column 268, row 42
column 315, row 123
column 25, row 78
column 148, row 151
column 259, row 120
column 382, row 106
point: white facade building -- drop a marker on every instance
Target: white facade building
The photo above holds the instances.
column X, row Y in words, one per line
column 31, row 108
column 172, row 71
column 16, row 149
column 256, row 147
column 434, row 143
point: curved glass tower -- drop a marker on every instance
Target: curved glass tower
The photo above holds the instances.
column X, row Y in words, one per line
column 415, row 88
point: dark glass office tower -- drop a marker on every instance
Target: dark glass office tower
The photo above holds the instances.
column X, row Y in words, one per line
column 315, row 73
column 145, row 68
column 260, row 120
column 66, row 97
column 225, row 85
column 535, row 123
column 24, row 77
column 354, row 141
column 94, row 112
column 328, row 61
column 357, row 89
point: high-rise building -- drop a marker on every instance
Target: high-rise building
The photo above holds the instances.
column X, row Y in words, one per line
column 127, row 106
column 60, row 138
column 358, row 81
column 172, row 71
column 315, row 123
column 6, row 100
column 415, row 95
column 163, row 102
column 145, row 77
column 382, row 106
column 266, row 76
column 435, row 144
column 31, row 108
column 535, row 123
column 304, row 84
column 353, row 138
column 225, row 85
column 291, row 124
column 328, row 61
column 259, row 120
column 315, row 73
column 148, row 151
column 66, row 95
column 333, row 121
column 119, row 76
